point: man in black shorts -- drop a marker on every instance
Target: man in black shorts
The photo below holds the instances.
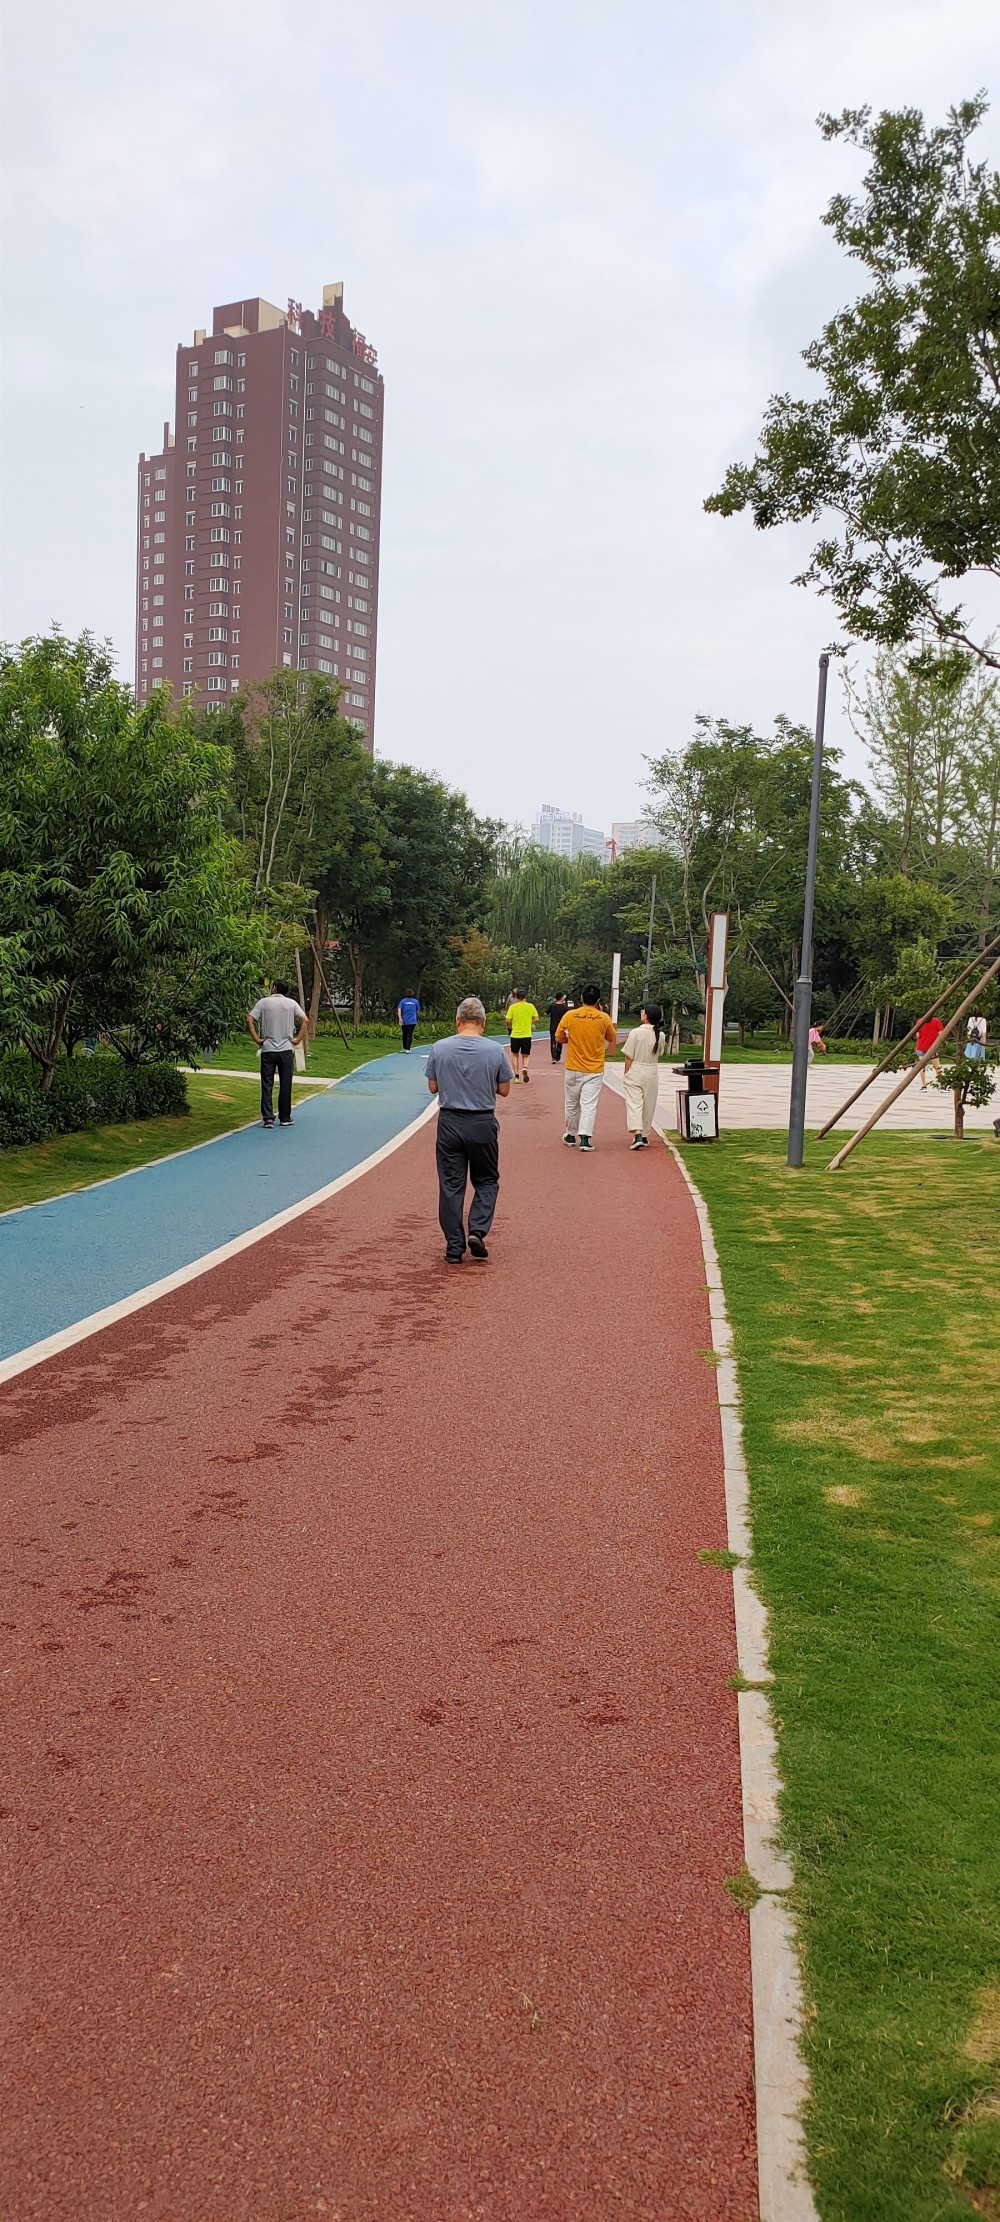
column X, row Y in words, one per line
column 521, row 1017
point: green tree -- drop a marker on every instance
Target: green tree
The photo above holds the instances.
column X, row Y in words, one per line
column 117, row 880
column 969, row 1082
column 529, row 888
column 894, row 916
column 901, row 450
column 294, row 757
column 404, row 879
column 733, row 808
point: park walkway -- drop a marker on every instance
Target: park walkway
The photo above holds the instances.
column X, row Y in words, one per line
column 62, row 1261
column 757, row 1096
column 374, row 1777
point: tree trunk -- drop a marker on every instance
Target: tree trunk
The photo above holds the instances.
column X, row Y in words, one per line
column 959, row 1095
column 357, row 957
column 317, row 942
column 742, row 1032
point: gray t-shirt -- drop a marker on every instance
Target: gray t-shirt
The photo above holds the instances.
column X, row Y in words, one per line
column 277, row 1016
column 468, row 1070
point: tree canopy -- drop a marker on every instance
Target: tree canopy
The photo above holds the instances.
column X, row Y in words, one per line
column 121, row 906
column 900, row 451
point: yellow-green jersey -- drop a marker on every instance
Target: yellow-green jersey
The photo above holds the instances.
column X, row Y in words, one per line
column 521, row 1017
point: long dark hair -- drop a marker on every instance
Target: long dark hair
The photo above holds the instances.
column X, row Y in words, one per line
column 654, row 1014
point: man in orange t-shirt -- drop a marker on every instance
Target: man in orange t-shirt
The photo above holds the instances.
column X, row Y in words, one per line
column 589, row 1034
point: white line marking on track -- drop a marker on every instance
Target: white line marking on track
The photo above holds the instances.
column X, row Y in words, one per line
column 51, row 1345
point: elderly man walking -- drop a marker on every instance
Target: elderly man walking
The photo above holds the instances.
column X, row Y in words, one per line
column 466, row 1073
column 590, row 1034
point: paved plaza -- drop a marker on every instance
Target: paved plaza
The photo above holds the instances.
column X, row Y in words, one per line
column 757, row 1096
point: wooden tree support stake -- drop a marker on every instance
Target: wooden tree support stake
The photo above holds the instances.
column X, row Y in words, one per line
column 853, row 1140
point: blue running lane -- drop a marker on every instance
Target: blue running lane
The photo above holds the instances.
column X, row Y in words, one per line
column 63, row 1260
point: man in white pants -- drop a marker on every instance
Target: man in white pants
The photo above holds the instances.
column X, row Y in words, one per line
column 589, row 1034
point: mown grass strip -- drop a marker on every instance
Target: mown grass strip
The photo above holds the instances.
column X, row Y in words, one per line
column 866, row 1314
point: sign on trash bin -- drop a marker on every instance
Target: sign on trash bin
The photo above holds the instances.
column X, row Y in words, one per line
column 697, row 1116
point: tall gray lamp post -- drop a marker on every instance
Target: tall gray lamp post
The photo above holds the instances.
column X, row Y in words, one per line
column 802, row 1005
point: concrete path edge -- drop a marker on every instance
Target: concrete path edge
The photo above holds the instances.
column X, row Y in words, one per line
column 36, row 1353
column 779, row 2070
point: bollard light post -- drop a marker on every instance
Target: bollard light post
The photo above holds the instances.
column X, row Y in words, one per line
column 802, row 1005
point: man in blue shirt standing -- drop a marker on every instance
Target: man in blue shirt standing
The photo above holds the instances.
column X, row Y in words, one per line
column 408, row 1012
column 467, row 1074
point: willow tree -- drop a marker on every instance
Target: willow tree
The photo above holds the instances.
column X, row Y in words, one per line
column 528, row 893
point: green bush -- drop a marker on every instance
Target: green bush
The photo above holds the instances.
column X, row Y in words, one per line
column 85, row 1091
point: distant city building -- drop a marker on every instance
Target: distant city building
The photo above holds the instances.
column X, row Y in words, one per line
column 258, row 523
column 634, row 833
column 563, row 832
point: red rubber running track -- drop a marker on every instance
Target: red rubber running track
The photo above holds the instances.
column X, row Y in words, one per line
column 373, row 1773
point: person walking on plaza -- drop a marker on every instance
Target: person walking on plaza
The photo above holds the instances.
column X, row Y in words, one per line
column 466, row 1073
column 276, row 1016
column 976, row 1031
column 408, row 1012
column 521, row 1017
column 816, row 1042
column 556, row 1012
column 589, row 1033
column 642, row 1048
column 927, row 1034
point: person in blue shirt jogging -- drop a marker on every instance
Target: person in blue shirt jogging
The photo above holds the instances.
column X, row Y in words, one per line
column 408, row 1012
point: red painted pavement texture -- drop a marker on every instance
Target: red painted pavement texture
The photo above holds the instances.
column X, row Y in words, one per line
column 373, row 1777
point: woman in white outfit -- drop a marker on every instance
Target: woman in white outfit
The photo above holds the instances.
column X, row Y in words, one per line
column 643, row 1048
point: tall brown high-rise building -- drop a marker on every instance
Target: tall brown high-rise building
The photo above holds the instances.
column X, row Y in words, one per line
column 258, row 522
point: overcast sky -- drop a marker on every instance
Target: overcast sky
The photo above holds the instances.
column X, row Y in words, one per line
column 584, row 237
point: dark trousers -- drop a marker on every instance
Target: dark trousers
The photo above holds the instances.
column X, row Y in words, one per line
column 280, row 1061
column 408, row 1034
column 556, row 1048
column 468, row 1148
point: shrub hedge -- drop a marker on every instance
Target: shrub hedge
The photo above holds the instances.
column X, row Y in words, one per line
column 85, row 1091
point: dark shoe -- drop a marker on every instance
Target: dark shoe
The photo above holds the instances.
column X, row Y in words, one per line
column 585, row 1142
column 454, row 1257
column 286, row 1122
column 636, row 1142
column 268, row 1124
column 526, row 1077
column 570, row 1141
column 477, row 1246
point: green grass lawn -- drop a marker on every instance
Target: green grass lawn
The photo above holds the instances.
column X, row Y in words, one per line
column 866, row 1310
column 43, row 1169
column 328, row 1057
